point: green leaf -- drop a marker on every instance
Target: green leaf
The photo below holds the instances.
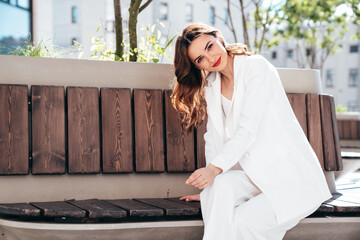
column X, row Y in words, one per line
column 97, row 30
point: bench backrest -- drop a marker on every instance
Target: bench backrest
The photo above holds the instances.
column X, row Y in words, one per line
column 87, row 130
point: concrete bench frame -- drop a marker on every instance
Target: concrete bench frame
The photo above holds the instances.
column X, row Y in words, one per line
column 81, row 189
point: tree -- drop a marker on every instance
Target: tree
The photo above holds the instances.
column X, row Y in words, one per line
column 119, row 52
column 253, row 17
column 134, row 9
column 315, row 27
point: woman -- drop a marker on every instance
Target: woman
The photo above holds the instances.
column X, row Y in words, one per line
column 261, row 176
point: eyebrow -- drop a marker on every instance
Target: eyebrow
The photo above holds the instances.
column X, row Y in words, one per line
column 204, row 49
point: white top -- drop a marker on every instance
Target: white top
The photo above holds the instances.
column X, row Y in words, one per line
column 226, row 105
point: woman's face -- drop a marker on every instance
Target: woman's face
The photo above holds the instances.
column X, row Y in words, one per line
column 208, row 53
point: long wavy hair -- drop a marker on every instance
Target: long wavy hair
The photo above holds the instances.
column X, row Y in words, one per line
column 188, row 95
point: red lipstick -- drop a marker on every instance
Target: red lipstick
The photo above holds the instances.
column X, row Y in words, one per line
column 217, row 62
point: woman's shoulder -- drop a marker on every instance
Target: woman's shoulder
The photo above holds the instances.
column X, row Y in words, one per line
column 252, row 63
column 252, row 59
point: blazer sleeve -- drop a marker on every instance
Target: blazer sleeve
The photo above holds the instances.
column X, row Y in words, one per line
column 262, row 78
column 209, row 145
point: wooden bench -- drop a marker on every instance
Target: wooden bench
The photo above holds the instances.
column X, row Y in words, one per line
column 85, row 134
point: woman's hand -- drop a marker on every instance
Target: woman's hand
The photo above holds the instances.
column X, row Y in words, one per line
column 203, row 177
column 189, row 198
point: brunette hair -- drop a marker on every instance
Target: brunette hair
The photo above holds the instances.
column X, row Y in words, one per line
column 188, row 95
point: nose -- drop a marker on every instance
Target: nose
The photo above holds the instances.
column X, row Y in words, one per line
column 211, row 58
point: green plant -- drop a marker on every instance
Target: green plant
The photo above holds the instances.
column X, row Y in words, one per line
column 150, row 49
column 340, row 108
column 29, row 48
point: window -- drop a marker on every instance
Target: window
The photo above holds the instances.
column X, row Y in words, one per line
column 23, row 4
column 274, row 55
column 189, row 12
column 225, row 15
column 308, row 52
column 329, row 80
column 74, row 14
column 290, row 53
column 17, row 28
column 212, row 15
column 352, row 106
column 163, row 11
column 353, row 77
column 354, row 48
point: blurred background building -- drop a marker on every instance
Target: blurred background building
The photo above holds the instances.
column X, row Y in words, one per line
column 62, row 22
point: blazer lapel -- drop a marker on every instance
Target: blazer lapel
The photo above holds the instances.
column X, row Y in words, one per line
column 213, row 99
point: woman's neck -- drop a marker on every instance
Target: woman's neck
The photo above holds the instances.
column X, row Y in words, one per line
column 227, row 74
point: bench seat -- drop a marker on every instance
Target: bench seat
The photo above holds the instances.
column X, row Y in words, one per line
column 344, row 203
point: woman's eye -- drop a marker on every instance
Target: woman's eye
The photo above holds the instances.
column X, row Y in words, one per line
column 199, row 60
column 209, row 46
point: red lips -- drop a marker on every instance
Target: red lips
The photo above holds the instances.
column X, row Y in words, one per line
column 217, row 62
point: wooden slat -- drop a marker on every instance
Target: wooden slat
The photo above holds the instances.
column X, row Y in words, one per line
column 149, row 131
column 171, row 208
column 341, row 129
column 346, row 128
column 180, row 150
column 99, row 209
column 117, row 135
column 342, row 204
column 358, row 130
column 353, row 129
column 331, row 145
column 325, row 208
column 200, row 144
column 19, row 210
column 298, row 104
column 48, row 130
column 136, row 208
column 59, row 209
column 314, row 126
column 194, row 204
column 339, row 163
column 83, row 130
column 14, row 130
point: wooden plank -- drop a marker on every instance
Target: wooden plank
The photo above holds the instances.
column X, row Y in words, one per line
column 341, row 206
column 339, row 163
column 353, row 129
column 136, row 208
column 14, row 130
column 298, row 104
column 180, row 149
column 99, row 209
column 171, row 208
column 48, row 130
column 346, row 129
column 59, row 209
column 200, row 144
column 117, row 134
column 358, row 130
column 19, row 210
column 330, row 157
column 83, row 130
column 341, row 128
column 194, row 204
column 314, row 126
column 325, row 208
column 149, row 131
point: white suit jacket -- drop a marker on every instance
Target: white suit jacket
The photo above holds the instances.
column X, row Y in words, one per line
column 265, row 138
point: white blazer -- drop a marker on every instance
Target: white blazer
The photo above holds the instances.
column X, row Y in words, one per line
column 265, row 138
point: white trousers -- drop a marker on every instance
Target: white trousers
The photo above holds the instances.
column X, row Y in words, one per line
column 233, row 208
